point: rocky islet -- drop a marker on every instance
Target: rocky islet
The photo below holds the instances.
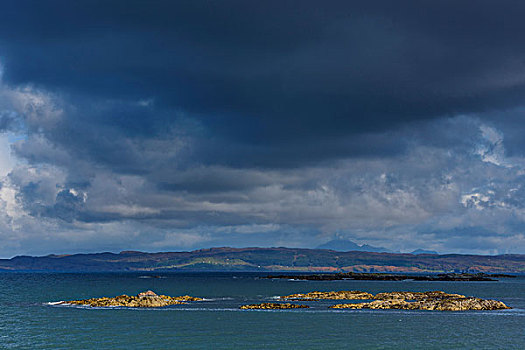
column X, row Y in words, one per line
column 144, row 299
column 445, row 304
column 437, row 295
column 372, row 276
column 344, row 294
column 430, row 300
column 404, row 300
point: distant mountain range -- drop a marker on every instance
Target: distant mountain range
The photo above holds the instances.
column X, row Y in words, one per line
column 422, row 251
column 345, row 245
column 266, row 259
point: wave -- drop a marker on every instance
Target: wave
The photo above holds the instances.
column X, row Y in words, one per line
column 217, row 299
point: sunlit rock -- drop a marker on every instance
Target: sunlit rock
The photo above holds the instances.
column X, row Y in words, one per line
column 144, row 299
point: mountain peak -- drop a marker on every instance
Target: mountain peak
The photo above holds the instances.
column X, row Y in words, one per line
column 345, row 245
column 423, row 251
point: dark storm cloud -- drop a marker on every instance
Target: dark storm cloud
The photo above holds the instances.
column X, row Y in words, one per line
column 268, row 77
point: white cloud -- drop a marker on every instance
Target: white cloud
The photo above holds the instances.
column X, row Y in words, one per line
column 7, row 161
column 475, row 200
column 382, row 201
column 491, row 149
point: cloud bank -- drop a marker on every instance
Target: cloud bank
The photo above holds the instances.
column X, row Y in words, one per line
column 162, row 126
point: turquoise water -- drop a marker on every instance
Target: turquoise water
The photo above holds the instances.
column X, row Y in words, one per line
column 27, row 321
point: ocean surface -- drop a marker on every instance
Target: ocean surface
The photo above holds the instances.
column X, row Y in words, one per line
column 28, row 320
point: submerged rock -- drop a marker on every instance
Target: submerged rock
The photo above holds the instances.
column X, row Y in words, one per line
column 144, row 299
column 344, row 294
column 269, row 306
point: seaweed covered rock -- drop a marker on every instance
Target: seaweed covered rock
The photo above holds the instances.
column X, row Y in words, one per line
column 270, row 306
column 340, row 295
column 144, row 299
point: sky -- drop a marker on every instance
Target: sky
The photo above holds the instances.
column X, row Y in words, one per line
column 178, row 125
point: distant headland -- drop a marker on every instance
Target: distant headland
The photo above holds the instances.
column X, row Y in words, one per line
column 269, row 259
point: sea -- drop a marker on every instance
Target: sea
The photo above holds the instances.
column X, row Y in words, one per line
column 31, row 319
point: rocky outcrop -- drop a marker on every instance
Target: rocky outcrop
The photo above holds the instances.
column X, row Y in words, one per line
column 359, row 295
column 431, row 301
column 270, row 306
column 148, row 293
column 378, row 304
column 461, row 304
column 344, row 294
column 416, row 295
column 144, row 299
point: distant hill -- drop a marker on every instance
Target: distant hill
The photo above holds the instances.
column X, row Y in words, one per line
column 266, row 259
column 344, row 245
column 422, row 251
